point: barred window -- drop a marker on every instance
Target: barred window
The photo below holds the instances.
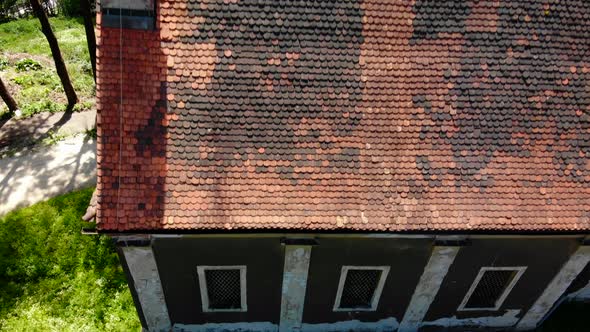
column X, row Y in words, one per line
column 491, row 287
column 223, row 288
column 360, row 288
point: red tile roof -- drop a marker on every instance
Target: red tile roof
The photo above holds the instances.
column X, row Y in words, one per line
column 347, row 115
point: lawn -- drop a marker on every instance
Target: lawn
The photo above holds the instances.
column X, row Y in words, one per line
column 38, row 89
column 53, row 278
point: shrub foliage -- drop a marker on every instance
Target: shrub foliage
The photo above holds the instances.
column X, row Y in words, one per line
column 27, row 65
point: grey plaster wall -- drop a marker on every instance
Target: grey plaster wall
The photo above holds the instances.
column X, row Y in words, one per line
column 295, row 275
column 543, row 258
column 579, row 290
column 273, row 271
column 178, row 259
column 147, row 287
column 406, row 257
column 556, row 289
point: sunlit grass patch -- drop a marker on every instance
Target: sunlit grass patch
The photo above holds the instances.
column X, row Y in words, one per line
column 40, row 90
column 52, row 278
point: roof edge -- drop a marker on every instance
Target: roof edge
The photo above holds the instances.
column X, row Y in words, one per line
column 584, row 235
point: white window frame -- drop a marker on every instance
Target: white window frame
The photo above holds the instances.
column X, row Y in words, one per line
column 519, row 271
column 205, row 295
column 376, row 295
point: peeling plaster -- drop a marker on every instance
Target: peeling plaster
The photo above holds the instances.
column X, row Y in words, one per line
column 508, row 319
column 435, row 271
column 227, row 327
column 555, row 289
column 294, row 285
column 146, row 280
column 384, row 325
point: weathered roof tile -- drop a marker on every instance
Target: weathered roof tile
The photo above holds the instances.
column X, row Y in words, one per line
column 360, row 115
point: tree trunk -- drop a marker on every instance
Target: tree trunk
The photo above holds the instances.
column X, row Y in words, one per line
column 90, row 37
column 60, row 66
column 12, row 107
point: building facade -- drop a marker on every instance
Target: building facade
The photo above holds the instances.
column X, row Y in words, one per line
column 346, row 166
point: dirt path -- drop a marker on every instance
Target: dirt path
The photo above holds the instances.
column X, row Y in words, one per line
column 34, row 176
column 18, row 133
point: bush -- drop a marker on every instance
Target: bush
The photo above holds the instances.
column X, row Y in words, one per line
column 86, row 68
column 69, row 8
column 6, row 7
column 38, row 89
column 27, row 65
column 3, row 64
column 47, row 79
column 33, row 108
column 72, row 8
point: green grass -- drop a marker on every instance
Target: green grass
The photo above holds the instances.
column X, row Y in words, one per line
column 40, row 90
column 25, row 36
column 52, row 278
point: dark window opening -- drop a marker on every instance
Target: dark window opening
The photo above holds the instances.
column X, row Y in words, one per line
column 360, row 288
column 491, row 288
column 223, row 289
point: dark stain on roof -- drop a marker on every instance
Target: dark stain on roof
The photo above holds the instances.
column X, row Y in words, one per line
column 355, row 115
column 286, row 76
